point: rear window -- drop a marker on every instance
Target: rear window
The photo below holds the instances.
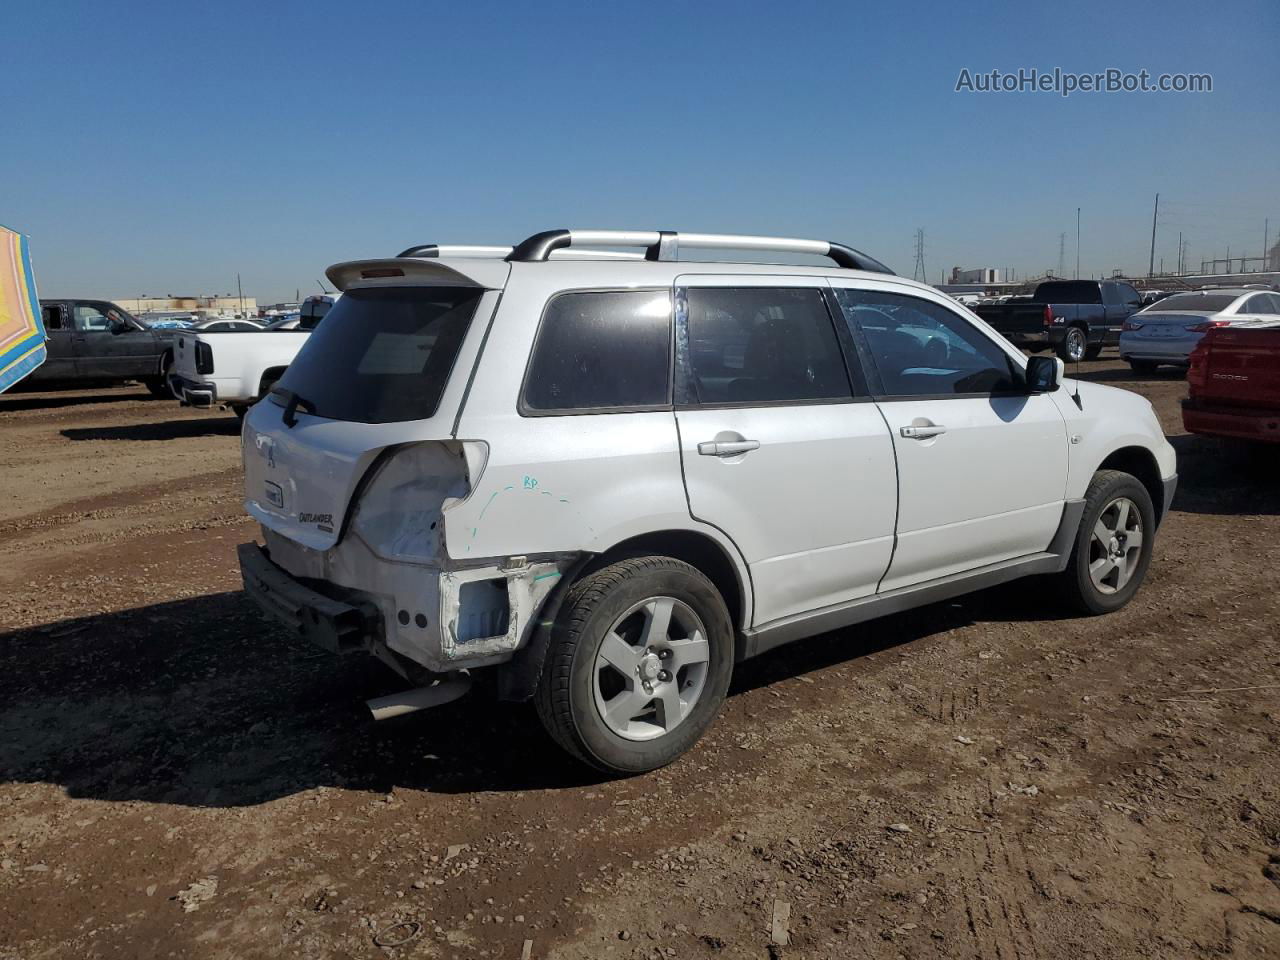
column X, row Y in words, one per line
column 313, row 311
column 1199, row 302
column 382, row 355
column 1068, row 291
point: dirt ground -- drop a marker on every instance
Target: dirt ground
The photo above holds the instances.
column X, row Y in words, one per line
column 975, row 779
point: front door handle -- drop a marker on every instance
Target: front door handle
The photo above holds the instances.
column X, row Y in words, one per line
column 727, row 448
column 923, row 432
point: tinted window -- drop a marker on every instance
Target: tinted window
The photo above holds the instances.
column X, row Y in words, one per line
column 53, row 317
column 763, row 345
column 599, row 351
column 1128, row 294
column 921, row 348
column 1068, row 291
column 382, row 354
column 1259, row 303
column 1198, row 302
column 313, row 312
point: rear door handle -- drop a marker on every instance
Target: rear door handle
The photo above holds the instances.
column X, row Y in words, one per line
column 923, row 433
column 727, row 448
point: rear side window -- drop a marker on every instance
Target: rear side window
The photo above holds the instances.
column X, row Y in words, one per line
column 601, row 351
column 1258, row 303
column 753, row 345
column 382, row 355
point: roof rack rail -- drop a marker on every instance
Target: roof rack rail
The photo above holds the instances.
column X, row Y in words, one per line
column 433, row 250
column 664, row 245
column 454, row 250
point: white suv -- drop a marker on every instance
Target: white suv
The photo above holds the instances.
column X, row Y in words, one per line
column 610, row 478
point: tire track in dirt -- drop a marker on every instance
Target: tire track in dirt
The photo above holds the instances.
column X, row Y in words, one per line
column 132, row 502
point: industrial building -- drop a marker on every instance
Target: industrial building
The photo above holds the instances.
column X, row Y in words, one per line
column 203, row 307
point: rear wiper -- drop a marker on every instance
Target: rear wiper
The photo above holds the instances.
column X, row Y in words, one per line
column 292, row 403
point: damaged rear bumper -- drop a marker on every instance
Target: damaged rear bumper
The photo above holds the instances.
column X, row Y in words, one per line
column 443, row 618
column 337, row 627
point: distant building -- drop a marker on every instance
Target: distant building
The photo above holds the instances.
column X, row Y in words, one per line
column 202, row 307
column 980, row 275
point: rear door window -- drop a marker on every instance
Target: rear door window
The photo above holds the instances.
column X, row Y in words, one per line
column 762, row 345
column 382, row 355
column 601, row 351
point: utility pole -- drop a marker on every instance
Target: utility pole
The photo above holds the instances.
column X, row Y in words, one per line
column 1151, row 267
column 1062, row 248
column 1266, row 239
column 240, row 294
column 918, row 273
column 1077, row 243
column 1180, row 251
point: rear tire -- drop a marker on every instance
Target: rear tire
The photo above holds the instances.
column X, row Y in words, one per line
column 640, row 660
column 1113, row 546
column 239, row 409
column 1092, row 353
column 162, row 386
column 1073, row 346
column 1143, row 366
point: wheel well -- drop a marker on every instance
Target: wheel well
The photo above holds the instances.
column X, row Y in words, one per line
column 1142, row 464
column 695, row 549
column 269, row 376
column 164, row 361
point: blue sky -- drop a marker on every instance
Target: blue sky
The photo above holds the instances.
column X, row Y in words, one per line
column 160, row 148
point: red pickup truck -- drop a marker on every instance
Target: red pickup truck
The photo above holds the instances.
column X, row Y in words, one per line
column 1235, row 383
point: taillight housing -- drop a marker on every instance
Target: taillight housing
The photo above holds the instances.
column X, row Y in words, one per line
column 1206, row 326
column 204, row 358
column 1048, row 315
column 1130, row 325
column 1198, row 372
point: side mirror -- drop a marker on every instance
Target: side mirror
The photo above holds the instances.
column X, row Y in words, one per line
column 1045, row 374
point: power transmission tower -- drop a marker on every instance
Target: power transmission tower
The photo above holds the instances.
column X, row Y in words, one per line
column 1062, row 253
column 918, row 273
column 1151, row 267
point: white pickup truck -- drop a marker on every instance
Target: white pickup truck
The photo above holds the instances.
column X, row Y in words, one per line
column 236, row 370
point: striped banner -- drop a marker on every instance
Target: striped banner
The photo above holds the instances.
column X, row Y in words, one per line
column 21, row 327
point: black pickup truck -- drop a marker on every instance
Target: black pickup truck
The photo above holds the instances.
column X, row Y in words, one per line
column 1076, row 318
column 97, row 340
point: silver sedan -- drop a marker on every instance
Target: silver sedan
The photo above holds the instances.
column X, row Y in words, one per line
column 1166, row 331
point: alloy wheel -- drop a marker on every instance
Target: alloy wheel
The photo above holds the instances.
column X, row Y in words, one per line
column 651, row 668
column 1115, row 545
column 1075, row 344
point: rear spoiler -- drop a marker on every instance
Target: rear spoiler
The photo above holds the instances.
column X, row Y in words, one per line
column 398, row 271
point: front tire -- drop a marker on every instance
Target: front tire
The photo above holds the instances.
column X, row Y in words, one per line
column 1113, row 546
column 640, row 660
